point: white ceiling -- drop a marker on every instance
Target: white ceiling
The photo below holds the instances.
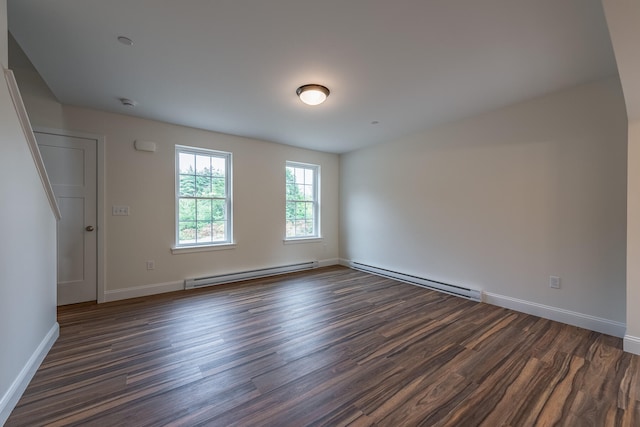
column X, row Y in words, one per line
column 233, row 65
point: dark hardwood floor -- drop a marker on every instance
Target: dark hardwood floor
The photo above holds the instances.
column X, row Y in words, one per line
column 332, row 346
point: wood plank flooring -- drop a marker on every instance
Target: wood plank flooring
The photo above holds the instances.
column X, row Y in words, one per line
column 328, row 347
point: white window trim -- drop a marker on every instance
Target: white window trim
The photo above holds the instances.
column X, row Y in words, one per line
column 207, row 246
column 176, row 250
column 296, row 240
column 316, row 212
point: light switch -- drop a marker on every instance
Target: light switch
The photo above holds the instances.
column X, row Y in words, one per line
column 119, row 210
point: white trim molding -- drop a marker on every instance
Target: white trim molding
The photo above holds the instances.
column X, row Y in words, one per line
column 19, row 385
column 295, row 241
column 586, row 321
column 328, row 262
column 143, row 290
column 160, row 288
column 25, row 124
column 177, row 250
column 258, row 273
column 631, row 344
column 100, row 196
column 344, row 262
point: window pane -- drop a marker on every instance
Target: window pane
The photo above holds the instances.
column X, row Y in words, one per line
column 218, row 166
column 204, row 210
column 301, row 200
column 309, row 211
column 204, row 231
column 300, row 211
column 187, row 210
column 187, row 232
column 203, row 165
column 308, row 192
column 203, row 186
column 308, row 228
column 203, row 196
column 187, row 186
column 300, row 228
column 219, row 230
column 218, row 187
column 291, row 211
column 291, row 229
column 292, row 192
column 300, row 191
column 219, row 211
column 187, row 163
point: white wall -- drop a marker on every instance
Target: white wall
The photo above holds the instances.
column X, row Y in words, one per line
column 622, row 20
column 3, row 33
column 27, row 254
column 145, row 182
column 632, row 337
column 502, row 201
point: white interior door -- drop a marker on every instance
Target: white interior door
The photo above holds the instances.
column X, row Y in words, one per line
column 72, row 169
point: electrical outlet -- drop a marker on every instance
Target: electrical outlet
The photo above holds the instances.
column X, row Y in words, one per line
column 151, row 265
column 119, row 210
column 554, row 282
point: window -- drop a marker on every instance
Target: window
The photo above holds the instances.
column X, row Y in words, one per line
column 302, row 185
column 203, row 197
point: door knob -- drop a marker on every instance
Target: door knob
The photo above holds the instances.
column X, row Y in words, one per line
column 89, row 228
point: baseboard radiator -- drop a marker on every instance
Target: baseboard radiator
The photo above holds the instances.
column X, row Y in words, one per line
column 246, row 275
column 460, row 291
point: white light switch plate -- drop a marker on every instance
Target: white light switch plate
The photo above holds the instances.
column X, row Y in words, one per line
column 119, row 210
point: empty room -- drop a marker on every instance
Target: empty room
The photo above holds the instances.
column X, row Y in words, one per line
column 337, row 213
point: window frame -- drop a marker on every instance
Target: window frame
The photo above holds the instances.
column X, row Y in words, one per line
column 316, row 202
column 220, row 244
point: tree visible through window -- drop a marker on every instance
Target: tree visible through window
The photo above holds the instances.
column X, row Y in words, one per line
column 302, row 182
column 203, row 196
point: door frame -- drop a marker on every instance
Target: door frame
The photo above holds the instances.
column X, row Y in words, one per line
column 100, row 194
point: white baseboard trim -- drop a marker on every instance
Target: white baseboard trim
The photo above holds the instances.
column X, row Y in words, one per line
column 143, row 291
column 328, row 262
column 631, row 344
column 19, row 385
column 160, row 288
column 586, row 321
column 574, row 318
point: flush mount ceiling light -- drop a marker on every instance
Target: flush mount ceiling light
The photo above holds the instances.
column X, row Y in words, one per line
column 312, row 94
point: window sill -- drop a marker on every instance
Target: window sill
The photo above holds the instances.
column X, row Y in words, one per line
column 302, row 240
column 205, row 248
